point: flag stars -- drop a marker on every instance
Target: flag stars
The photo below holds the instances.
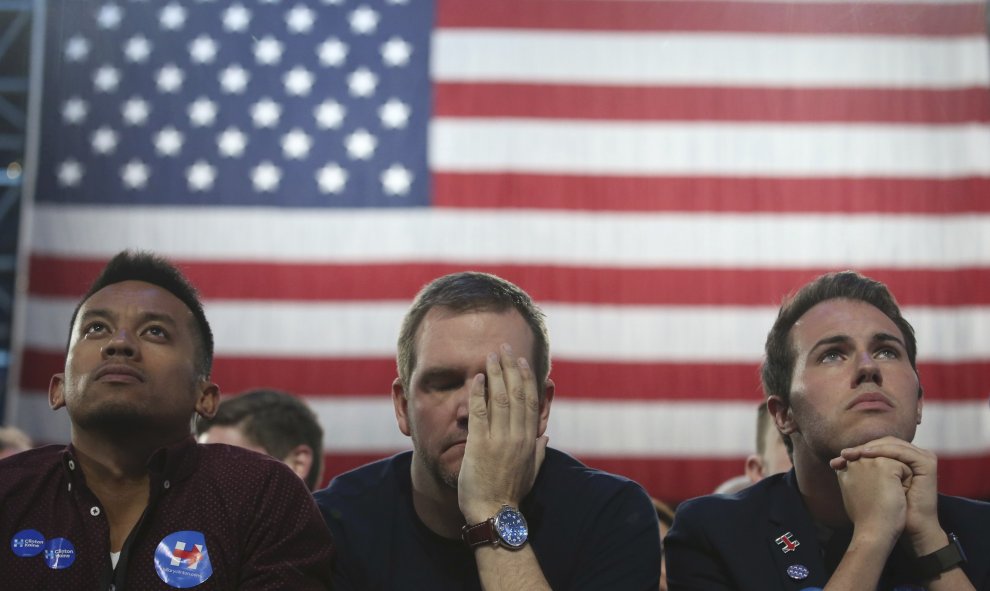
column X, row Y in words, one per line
column 268, row 50
column 137, row 49
column 170, row 78
column 236, row 18
column 231, row 143
column 331, row 178
column 201, row 176
column 360, row 145
column 109, row 16
column 265, row 177
column 332, row 52
column 202, row 112
column 300, row 19
column 234, row 79
column 172, row 17
column 76, row 49
column 296, row 144
column 396, row 180
column 363, row 20
column 362, row 82
column 203, row 50
column 329, row 114
column 394, row 114
column 168, row 141
column 135, row 111
column 74, row 110
column 70, row 173
column 135, row 174
column 104, row 140
column 106, row 79
column 396, row 52
column 266, row 113
column 298, row 81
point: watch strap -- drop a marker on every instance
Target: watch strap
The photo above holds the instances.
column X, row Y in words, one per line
column 480, row 534
column 931, row 565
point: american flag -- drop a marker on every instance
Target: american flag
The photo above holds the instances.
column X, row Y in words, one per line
column 656, row 174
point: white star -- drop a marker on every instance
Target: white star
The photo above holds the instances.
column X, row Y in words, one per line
column 331, row 178
column 106, row 79
column 396, row 52
column 268, row 50
column 300, row 19
column 203, row 50
column 168, row 141
column 362, row 82
column 332, row 52
column 70, row 173
column 104, row 140
column 170, row 78
column 135, row 111
column 265, row 113
column 298, row 81
column 296, row 144
column 329, row 114
column 236, row 18
column 231, row 143
column 363, row 20
column 172, row 17
column 76, row 49
column 109, row 16
column 135, row 174
column 360, row 145
column 394, row 114
column 137, row 49
column 234, row 79
column 200, row 176
column 396, row 180
column 202, row 112
column 74, row 110
column 265, row 177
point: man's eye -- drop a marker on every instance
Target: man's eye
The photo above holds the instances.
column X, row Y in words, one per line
column 888, row 353
column 830, row 356
column 95, row 327
column 156, row 331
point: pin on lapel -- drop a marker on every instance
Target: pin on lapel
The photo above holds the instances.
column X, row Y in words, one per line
column 787, row 542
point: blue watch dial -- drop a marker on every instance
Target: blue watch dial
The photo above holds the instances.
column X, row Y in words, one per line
column 511, row 527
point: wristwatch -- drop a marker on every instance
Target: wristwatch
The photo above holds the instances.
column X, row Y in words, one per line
column 507, row 528
column 931, row 565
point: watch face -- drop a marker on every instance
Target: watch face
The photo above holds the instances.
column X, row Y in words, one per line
column 511, row 527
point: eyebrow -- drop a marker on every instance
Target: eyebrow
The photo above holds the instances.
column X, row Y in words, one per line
column 880, row 337
column 145, row 316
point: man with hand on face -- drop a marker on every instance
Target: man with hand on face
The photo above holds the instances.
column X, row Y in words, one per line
column 133, row 502
column 481, row 502
column 860, row 510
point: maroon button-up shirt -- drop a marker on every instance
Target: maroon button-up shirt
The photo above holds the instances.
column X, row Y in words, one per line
column 218, row 517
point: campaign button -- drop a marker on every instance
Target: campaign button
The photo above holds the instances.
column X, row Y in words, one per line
column 59, row 553
column 182, row 560
column 798, row 572
column 27, row 543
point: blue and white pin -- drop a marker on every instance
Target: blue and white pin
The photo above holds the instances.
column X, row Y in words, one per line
column 798, row 572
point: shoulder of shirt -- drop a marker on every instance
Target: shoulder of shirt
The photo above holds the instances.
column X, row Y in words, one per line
column 751, row 500
column 562, row 476
column 378, row 477
column 242, row 465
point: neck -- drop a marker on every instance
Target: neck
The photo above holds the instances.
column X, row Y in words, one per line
column 435, row 503
column 819, row 489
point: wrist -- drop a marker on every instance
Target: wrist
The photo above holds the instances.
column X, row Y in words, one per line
column 929, row 541
column 479, row 511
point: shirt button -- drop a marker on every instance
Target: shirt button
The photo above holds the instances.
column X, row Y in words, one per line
column 94, row 511
column 72, row 465
column 167, row 484
column 70, row 487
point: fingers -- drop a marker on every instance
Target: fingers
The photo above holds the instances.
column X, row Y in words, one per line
column 919, row 460
column 478, row 407
column 513, row 404
column 498, row 395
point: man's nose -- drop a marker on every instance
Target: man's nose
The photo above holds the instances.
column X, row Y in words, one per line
column 867, row 369
column 120, row 344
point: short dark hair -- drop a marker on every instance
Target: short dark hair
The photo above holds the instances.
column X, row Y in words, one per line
column 777, row 370
column 129, row 265
column 471, row 291
column 274, row 420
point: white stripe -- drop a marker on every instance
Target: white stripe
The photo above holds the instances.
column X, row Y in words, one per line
column 497, row 55
column 643, row 429
column 531, row 237
column 763, row 149
column 578, row 332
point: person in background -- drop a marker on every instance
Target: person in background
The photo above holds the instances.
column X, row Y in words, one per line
column 270, row 422
column 771, row 455
column 665, row 515
column 12, row 441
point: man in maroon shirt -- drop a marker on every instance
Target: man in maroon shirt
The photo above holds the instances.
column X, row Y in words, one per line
column 133, row 502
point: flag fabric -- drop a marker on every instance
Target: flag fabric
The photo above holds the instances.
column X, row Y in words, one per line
column 657, row 175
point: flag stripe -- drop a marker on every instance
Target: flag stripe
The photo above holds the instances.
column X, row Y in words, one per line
column 820, row 18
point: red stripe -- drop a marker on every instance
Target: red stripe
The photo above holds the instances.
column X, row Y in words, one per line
column 721, row 194
column 675, row 479
column 575, row 380
column 695, row 16
column 64, row 277
column 670, row 103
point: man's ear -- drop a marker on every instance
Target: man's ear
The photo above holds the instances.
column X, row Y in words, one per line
column 300, row 459
column 921, row 404
column 781, row 413
column 401, row 404
column 56, row 391
column 208, row 399
column 548, row 391
column 754, row 468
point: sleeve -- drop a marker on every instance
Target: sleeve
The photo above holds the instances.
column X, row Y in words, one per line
column 693, row 562
column 289, row 545
column 624, row 546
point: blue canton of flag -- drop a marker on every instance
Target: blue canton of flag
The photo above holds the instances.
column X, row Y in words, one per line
column 245, row 103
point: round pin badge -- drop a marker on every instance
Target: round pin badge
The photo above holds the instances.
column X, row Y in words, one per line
column 27, row 543
column 59, row 553
column 812, row 589
column 182, row 560
column 908, row 588
column 798, row 572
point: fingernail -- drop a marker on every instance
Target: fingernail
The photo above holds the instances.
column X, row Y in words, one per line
column 507, row 348
column 493, row 357
column 523, row 363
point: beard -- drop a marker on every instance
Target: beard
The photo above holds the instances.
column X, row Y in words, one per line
column 438, row 472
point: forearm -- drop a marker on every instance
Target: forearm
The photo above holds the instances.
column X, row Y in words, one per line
column 501, row 569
